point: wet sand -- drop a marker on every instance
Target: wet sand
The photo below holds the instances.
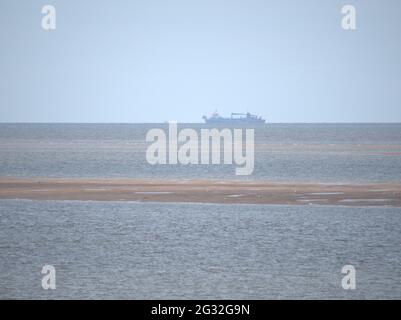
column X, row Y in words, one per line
column 203, row 191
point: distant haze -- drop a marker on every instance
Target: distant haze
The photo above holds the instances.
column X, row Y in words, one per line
column 152, row 61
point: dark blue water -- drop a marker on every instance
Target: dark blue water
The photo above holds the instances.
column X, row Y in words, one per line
column 283, row 152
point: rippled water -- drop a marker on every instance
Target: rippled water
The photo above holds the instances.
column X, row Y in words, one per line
column 150, row 250
column 283, row 152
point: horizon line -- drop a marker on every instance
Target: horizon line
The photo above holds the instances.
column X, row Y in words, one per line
column 184, row 122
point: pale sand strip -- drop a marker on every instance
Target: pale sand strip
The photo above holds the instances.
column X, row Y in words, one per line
column 204, row 191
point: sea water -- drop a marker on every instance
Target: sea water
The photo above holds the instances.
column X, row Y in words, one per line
column 197, row 251
column 283, row 152
column 171, row 250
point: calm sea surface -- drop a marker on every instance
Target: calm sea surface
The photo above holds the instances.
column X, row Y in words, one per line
column 159, row 250
column 318, row 152
column 150, row 250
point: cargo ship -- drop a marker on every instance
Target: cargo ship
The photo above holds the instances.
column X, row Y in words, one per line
column 236, row 118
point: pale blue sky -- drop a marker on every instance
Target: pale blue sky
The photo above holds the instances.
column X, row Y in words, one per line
column 157, row 60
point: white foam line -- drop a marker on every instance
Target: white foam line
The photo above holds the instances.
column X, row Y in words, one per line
column 365, row 200
column 324, row 193
column 153, row 192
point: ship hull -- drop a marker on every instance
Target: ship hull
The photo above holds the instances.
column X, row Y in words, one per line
column 234, row 121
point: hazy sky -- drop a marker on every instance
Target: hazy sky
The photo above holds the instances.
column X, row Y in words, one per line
column 158, row 60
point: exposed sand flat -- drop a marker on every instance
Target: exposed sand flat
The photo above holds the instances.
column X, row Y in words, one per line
column 206, row 191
